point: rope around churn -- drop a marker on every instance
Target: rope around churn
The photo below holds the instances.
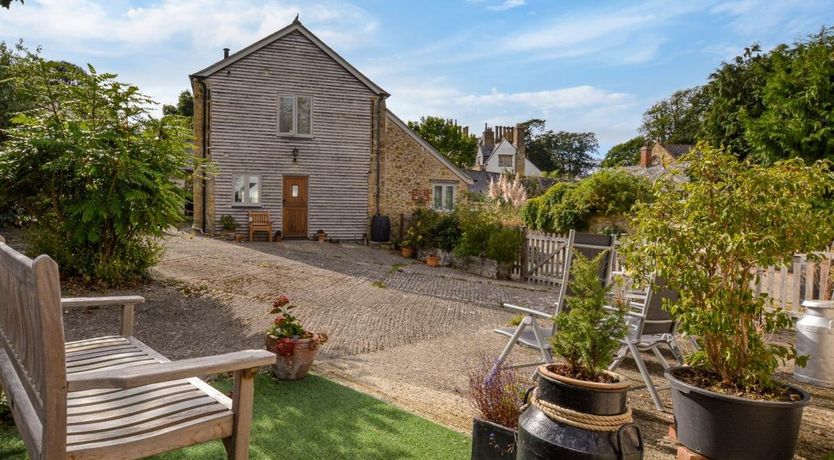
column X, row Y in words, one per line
column 580, row 419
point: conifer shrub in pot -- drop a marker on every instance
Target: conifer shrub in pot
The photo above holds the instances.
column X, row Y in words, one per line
column 705, row 237
column 579, row 409
column 295, row 347
column 497, row 394
column 229, row 225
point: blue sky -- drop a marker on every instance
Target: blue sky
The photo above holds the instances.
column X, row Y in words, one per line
column 582, row 66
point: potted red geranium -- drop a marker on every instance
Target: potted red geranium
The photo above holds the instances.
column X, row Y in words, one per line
column 295, row 347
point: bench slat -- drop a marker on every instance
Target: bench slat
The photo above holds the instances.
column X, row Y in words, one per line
column 108, row 423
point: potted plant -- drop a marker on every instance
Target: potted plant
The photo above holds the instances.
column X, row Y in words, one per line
column 497, row 394
column 295, row 347
column 406, row 249
column 419, row 230
column 321, row 236
column 229, row 225
column 579, row 409
column 432, row 259
column 503, row 247
column 706, row 237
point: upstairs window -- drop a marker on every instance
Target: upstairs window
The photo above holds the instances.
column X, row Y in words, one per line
column 443, row 197
column 295, row 115
column 505, row 160
column 247, row 189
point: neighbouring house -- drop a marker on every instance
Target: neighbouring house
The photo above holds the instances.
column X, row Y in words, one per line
column 292, row 127
column 663, row 154
column 658, row 160
column 498, row 153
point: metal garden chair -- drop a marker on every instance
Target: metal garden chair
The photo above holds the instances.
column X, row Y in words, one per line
column 530, row 333
column 649, row 328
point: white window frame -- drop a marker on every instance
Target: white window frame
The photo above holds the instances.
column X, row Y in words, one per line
column 247, row 199
column 444, row 186
column 293, row 132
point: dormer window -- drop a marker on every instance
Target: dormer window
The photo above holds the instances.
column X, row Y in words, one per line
column 295, row 115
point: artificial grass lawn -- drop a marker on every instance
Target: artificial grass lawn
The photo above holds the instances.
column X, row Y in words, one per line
column 317, row 419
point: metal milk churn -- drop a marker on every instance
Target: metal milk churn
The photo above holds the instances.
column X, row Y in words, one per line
column 815, row 337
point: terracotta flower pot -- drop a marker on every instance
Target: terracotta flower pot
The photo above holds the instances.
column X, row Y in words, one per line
column 297, row 364
column 433, row 261
column 321, row 237
column 407, row 252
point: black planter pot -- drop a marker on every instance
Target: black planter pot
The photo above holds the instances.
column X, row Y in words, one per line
column 540, row 438
column 721, row 426
column 491, row 441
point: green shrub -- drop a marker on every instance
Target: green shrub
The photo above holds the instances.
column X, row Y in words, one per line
column 570, row 205
column 445, row 234
column 94, row 169
column 706, row 236
column 228, row 222
column 419, row 231
column 477, row 226
column 503, row 245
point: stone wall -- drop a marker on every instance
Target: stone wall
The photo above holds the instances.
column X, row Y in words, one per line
column 408, row 172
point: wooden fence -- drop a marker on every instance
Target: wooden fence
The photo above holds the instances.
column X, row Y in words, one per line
column 804, row 279
column 542, row 256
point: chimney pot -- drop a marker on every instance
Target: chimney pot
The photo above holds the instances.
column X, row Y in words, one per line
column 225, row 53
column 489, row 136
column 645, row 156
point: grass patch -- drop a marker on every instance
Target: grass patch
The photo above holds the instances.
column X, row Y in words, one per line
column 378, row 284
column 316, row 419
column 396, row 268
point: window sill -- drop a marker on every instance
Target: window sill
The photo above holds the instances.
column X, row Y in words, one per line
column 295, row 136
column 244, row 205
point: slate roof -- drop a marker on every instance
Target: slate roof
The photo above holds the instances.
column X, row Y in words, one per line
column 481, row 180
column 677, row 150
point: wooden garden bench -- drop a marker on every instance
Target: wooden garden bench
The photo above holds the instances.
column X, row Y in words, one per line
column 259, row 221
column 109, row 397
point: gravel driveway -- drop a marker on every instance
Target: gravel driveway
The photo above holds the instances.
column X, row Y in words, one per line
column 402, row 331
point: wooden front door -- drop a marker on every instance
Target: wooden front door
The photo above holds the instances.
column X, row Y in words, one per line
column 295, row 207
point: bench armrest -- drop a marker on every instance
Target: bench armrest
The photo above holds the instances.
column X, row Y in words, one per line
column 173, row 370
column 126, row 302
column 527, row 311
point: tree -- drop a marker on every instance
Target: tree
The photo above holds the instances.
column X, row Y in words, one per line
column 797, row 98
column 561, row 153
column 676, row 119
column 184, row 107
column 624, row 154
column 5, row 3
column 95, row 170
column 448, row 138
column 732, row 95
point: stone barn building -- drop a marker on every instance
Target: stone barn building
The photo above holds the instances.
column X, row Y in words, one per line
column 291, row 127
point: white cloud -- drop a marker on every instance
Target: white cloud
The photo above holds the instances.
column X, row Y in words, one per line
column 209, row 23
column 507, row 5
column 611, row 115
column 756, row 18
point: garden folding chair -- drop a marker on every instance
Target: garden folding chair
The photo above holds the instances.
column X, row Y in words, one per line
column 529, row 332
column 649, row 328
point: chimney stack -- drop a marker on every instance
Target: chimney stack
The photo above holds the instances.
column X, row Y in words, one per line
column 645, row 156
column 489, row 136
column 520, row 151
column 225, row 53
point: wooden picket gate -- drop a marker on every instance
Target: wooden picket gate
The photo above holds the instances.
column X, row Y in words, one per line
column 541, row 257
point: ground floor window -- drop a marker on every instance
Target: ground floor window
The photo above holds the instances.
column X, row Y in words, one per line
column 443, row 197
column 247, row 189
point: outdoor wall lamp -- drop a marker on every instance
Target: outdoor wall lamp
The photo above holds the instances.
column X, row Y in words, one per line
column 295, row 154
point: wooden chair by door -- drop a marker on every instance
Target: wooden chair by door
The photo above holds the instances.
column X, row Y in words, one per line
column 259, row 221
